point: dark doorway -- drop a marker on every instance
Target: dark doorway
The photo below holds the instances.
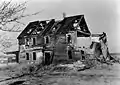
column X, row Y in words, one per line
column 47, row 58
column 70, row 54
column 83, row 55
column 69, row 38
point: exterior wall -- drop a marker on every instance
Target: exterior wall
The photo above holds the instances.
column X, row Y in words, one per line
column 76, row 45
column 83, row 42
column 40, row 40
column 23, row 57
column 58, row 44
column 21, row 41
column 30, row 48
column 61, row 47
column 4, row 60
column 95, row 39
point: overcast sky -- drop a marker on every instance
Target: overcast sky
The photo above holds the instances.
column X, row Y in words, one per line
column 100, row 15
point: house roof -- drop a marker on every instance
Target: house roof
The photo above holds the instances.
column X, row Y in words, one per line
column 67, row 24
column 36, row 25
column 48, row 27
column 61, row 26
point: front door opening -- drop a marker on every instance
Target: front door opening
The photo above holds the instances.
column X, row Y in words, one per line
column 83, row 55
column 69, row 38
column 47, row 58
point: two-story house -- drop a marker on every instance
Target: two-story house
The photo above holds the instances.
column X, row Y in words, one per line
column 30, row 43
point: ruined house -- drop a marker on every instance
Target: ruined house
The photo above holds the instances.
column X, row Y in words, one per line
column 54, row 40
column 30, row 44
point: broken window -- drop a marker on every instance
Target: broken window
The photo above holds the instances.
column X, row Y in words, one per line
column 27, row 56
column 34, row 55
column 47, row 39
column 69, row 38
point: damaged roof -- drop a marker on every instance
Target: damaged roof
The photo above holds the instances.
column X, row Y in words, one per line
column 32, row 26
column 67, row 24
column 59, row 27
column 48, row 27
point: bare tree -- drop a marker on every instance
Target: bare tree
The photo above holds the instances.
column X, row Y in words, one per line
column 11, row 14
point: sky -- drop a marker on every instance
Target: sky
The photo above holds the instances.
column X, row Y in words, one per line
column 100, row 15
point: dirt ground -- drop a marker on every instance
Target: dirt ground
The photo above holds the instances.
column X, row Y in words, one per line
column 101, row 75
column 98, row 76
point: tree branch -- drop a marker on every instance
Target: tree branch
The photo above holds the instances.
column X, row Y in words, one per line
column 10, row 13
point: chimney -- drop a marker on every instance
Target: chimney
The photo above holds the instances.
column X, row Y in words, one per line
column 64, row 14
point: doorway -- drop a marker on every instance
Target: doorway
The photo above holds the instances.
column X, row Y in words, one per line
column 47, row 58
column 70, row 54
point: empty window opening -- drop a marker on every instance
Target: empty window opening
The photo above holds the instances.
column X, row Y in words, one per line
column 47, row 39
column 34, row 55
column 27, row 56
column 69, row 38
column 34, row 41
column 27, row 42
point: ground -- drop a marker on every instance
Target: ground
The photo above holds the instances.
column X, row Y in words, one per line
column 100, row 75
